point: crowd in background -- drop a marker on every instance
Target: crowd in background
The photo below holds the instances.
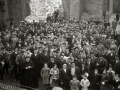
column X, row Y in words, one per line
column 74, row 55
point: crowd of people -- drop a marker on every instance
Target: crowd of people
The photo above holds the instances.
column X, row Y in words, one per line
column 73, row 55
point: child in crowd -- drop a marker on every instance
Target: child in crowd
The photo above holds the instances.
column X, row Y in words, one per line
column 54, row 72
column 117, row 82
column 45, row 74
column 85, row 82
column 74, row 84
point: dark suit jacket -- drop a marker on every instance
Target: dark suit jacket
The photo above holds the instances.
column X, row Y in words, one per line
column 83, row 71
column 117, row 68
column 96, row 79
column 90, row 67
column 60, row 63
column 78, row 64
column 119, row 51
column 64, row 76
column 46, row 58
column 51, row 64
column 36, row 62
column 110, row 58
column 13, row 58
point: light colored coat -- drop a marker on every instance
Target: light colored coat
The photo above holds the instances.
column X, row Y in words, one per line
column 85, row 83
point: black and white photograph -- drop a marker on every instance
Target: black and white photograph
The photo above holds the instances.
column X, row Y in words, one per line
column 59, row 44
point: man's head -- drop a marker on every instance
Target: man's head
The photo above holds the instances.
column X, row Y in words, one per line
column 64, row 65
column 52, row 58
column 27, row 59
column 45, row 65
column 73, row 64
column 22, row 51
column 69, row 60
column 35, row 51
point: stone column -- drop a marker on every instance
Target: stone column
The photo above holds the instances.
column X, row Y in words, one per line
column 66, row 7
column 111, row 7
column 74, row 9
column 7, row 22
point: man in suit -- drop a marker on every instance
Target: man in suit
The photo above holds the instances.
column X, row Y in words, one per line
column 64, row 77
column 36, row 61
column 74, row 71
column 46, row 57
column 111, row 57
column 20, row 60
column 13, row 63
column 83, row 70
column 42, row 62
column 90, row 67
column 6, row 59
column 61, row 62
column 78, row 63
column 76, row 53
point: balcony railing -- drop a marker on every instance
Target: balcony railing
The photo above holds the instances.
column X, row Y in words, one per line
column 13, row 86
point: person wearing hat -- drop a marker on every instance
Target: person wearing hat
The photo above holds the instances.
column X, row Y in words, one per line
column 85, row 82
column 28, row 73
